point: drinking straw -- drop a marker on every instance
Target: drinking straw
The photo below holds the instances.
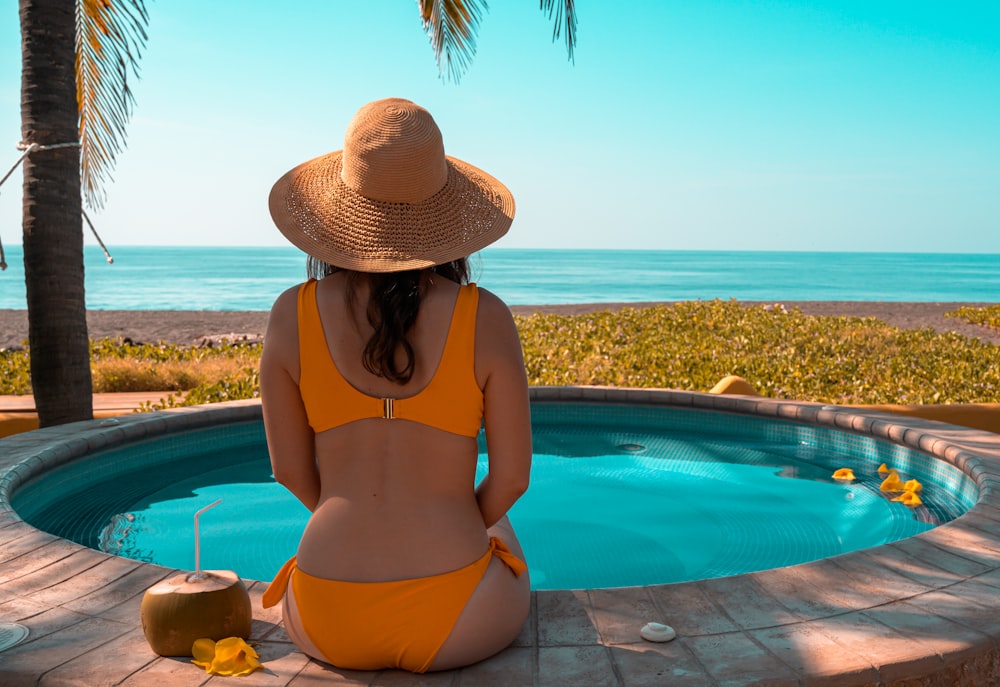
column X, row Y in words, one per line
column 197, row 541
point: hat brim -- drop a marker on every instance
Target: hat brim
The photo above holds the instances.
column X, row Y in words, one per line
column 315, row 210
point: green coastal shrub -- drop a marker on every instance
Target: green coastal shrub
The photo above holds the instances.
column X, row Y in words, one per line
column 118, row 365
column 988, row 316
column 15, row 375
column 688, row 345
column 693, row 344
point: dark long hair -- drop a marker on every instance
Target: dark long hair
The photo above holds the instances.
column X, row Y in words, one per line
column 393, row 304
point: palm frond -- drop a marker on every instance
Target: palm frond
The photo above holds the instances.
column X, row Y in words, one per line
column 564, row 13
column 110, row 36
column 452, row 26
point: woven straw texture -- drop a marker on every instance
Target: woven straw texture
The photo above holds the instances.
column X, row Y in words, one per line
column 391, row 200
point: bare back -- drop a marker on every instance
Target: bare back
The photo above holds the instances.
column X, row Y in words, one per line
column 394, row 499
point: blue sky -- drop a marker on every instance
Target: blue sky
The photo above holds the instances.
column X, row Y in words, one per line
column 716, row 124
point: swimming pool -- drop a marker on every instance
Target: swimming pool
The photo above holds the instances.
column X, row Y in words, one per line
column 619, row 497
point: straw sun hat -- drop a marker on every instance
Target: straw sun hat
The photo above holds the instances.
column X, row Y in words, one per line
column 391, row 200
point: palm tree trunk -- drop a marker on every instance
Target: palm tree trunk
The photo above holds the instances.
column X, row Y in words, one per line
column 53, row 230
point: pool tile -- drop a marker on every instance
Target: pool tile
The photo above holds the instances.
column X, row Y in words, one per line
column 979, row 472
column 896, row 656
column 400, row 678
column 87, row 581
column 654, row 665
column 976, row 612
column 815, row 657
column 128, row 653
column 955, row 643
column 905, row 575
column 688, row 609
column 976, row 524
column 794, row 411
column 43, row 620
column 886, row 567
column 797, row 592
column 734, row 660
column 748, row 602
column 49, row 577
column 110, row 600
column 766, row 407
column 60, row 647
column 962, row 458
column 565, row 618
column 840, row 589
column 316, row 674
column 260, row 630
column 619, row 614
column 22, row 541
column 529, row 631
column 23, row 611
column 514, row 666
column 271, row 615
column 973, row 544
column 991, row 578
column 168, row 672
column 932, row 444
column 938, row 566
column 573, row 666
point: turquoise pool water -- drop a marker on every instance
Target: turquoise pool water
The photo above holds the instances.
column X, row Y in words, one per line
column 620, row 496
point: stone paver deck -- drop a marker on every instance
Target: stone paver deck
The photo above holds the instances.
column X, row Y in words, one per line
column 920, row 611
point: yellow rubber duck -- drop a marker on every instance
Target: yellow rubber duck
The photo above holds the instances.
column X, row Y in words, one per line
column 913, row 485
column 883, row 470
column 892, row 483
column 845, row 474
column 909, row 498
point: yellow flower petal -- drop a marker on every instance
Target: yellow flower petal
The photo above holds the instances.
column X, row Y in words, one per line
column 909, row 498
column 229, row 656
column 913, row 485
column 251, row 665
column 892, row 482
column 883, row 470
column 227, row 650
column 844, row 474
column 203, row 650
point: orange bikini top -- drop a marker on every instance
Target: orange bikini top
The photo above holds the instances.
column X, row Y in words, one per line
column 452, row 401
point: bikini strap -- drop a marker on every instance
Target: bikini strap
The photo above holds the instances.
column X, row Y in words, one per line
column 276, row 590
column 500, row 550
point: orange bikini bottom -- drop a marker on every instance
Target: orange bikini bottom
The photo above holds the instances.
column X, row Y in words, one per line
column 375, row 625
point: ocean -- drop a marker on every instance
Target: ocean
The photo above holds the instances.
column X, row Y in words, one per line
column 250, row 278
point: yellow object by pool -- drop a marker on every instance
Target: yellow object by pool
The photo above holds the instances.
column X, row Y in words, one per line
column 913, row 485
column 909, row 498
column 892, row 483
column 883, row 470
column 846, row 474
column 229, row 656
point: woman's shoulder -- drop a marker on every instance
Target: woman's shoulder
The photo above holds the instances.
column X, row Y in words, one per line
column 491, row 305
column 287, row 299
column 494, row 321
column 284, row 312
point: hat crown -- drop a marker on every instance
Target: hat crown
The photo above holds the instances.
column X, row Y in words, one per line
column 393, row 152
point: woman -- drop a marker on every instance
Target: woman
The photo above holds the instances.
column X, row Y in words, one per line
column 376, row 380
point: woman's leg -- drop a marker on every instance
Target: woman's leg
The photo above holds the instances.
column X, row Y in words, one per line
column 494, row 614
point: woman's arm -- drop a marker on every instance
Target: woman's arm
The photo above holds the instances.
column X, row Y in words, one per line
column 500, row 369
column 290, row 440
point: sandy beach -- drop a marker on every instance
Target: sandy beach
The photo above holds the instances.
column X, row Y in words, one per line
column 190, row 327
